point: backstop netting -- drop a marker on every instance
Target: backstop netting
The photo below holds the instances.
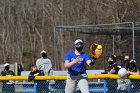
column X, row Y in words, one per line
column 117, row 38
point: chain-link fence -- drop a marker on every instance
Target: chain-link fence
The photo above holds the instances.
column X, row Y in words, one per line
column 46, row 87
column 116, row 38
column 105, row 85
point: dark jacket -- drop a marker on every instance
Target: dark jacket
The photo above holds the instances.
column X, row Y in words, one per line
column 7, row 86
column 125, row 64
column 32, row 73
column 115, row 66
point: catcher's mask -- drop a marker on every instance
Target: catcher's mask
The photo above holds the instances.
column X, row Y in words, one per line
column 78, row 45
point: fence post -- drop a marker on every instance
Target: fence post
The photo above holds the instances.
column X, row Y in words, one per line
column 105, row 86
column 35, row 86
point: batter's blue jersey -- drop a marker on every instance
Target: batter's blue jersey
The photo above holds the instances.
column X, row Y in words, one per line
column 79, row 67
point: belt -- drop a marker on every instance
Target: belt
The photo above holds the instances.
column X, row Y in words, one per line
column 76, row 74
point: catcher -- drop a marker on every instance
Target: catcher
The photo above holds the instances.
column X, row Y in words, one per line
column 96, row 50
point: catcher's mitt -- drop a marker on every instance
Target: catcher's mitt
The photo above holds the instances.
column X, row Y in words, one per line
column 96, row 50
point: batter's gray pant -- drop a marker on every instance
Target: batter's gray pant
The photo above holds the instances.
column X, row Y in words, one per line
column 72, row 82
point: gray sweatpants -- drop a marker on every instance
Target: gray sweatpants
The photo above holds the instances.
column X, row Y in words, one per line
column 73, row 81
